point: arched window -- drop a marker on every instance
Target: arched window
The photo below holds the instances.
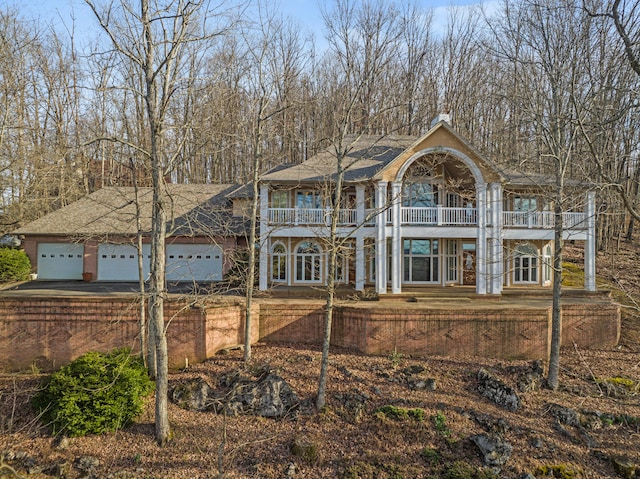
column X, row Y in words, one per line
column 308, row 262
column 525, row 264
column 279, row 263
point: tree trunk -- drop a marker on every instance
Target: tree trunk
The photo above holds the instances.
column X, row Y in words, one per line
column 556, row 311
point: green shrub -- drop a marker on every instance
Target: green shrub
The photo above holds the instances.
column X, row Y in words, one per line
column 14, row 265
column 559, row 471
column 400, row 413
column 95, row 393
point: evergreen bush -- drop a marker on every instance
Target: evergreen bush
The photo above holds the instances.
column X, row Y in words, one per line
column 14, row 265
column 95, row 393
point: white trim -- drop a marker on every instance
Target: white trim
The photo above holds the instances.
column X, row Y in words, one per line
column 469, row 163
column 320, row 257
column 284, row 255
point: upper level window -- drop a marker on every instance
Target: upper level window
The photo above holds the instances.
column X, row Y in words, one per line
column 525, row 203
column 308, row 199
column 420, row 195
column 279, row 199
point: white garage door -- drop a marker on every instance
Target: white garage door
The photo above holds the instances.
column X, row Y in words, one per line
column 60, row 260
column 119, row 262
column 194, row 262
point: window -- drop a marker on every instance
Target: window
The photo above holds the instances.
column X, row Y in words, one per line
column 419, row 195
column 452, row 261
column 525, row 264
column 279, row 263
column 524, row 203
column 421, row 261
column 279, row 199
column 308, row 199
column 308, row 262
column 547, row 265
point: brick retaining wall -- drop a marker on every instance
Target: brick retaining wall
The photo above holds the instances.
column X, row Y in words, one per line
column 51, row 332
column 500, row 333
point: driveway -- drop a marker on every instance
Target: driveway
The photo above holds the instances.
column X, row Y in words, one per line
column 93, row 288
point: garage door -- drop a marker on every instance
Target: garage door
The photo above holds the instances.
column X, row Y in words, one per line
column 119, row 262
column 194, row 262
column 60, row 260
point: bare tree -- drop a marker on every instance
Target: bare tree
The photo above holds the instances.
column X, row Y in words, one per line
column 552, row 39
column 364, row 39
column 152, row 40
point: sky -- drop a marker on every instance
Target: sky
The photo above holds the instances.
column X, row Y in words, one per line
column 305, row 12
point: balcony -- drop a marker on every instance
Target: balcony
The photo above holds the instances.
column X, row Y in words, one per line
column 424, row 216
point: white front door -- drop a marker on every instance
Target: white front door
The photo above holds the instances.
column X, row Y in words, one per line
column 119, row 262
column 194, row 262
column 60, row 260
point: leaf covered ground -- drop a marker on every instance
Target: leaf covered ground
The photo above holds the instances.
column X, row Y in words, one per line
column 356, row 436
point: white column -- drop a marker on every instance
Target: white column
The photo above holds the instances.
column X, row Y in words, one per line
column 263, row 239
column 590, row 244
column 396, row 241
column 481, row 242
column 360, row 256
column 496, row 260
column 381, row 238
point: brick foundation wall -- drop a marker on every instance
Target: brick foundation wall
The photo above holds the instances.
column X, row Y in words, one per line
column 588, row 325
column 296, row 323
column 500, row 333
column 50, row 332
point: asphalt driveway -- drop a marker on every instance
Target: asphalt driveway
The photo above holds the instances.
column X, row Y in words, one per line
column 92, row 288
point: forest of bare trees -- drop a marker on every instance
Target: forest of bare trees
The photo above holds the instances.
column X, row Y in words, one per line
column 535, row 85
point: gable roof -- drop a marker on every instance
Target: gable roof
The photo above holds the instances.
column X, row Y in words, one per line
column 191, row 210
column 373, row 157
column 366, row 156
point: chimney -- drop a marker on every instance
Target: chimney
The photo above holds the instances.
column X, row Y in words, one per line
column 441, row 117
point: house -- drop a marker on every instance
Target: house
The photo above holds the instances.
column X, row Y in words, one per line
column 96, row 236
column 417, row 212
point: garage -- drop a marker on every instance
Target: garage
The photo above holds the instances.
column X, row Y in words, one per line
column 119, row 262
column 193, row 262
column 60, row 260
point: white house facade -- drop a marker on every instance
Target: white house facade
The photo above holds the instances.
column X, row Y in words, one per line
column 416, row 212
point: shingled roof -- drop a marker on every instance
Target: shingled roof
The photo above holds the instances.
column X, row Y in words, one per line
column 367, row 155
column 191, row 210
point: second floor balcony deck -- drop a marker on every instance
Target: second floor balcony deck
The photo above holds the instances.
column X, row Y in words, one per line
column 423, row 216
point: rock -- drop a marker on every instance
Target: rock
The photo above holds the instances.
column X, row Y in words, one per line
column 428, row 384
column 495, row 390
column 268, row 396
column 564, row 415
column 192, row 395
column 414, row 369
column 532, row 378
column 59, row 469
column 61, row 443
column 354, row 403
column 86, row 463
column 305, row 449
column 491, row 424
column 624, row 467
column 495, row 450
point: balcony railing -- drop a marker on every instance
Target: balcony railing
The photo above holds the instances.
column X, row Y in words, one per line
column 432, row 216
column 542, row 220
column 439, row 215
column 309, row 216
